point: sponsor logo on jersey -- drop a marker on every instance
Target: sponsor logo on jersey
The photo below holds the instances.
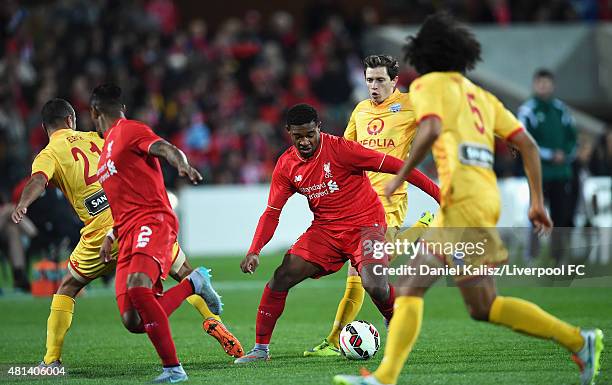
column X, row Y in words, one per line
column 375, row 126
column 106, row 170
column 473, row 154
column 333, row 186
column 112, row 170
column 397, row 107
column 319, row 190
column 96, row 203
column 377, row 143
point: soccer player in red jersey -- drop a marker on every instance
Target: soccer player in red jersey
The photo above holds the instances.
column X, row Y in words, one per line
column 130, row 173
column 348, row 218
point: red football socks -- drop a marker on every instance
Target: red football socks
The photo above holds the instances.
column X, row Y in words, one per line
column 155, row 323
column 270, row 309
column 386, row 307
column 173, row 298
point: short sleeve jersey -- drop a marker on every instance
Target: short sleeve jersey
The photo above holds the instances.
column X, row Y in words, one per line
column 333, row 181
column 388, row 127
column 132, row 178
column 471, row 118
column 70, row 161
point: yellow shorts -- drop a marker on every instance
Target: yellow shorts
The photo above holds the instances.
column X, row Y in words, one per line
column 466, row 234
column 85, row 265
column 395, row 211
column 84, row 262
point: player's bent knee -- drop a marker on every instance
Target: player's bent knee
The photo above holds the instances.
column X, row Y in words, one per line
column 139, row 280
column 132, row 321
column 70, row 286
column 284, row 279
column 281, row 282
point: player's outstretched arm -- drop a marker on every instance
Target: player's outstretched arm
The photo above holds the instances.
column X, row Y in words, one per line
column 392, row 165
column 528, row 148
column 265, row 230
column 176, row 158
column 365, row 159
column 32, row 190
column 280, row 191
column 428, row 131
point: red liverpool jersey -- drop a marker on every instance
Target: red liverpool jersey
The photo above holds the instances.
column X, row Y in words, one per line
column 132, row 179
column 335, row 183
column 333, row 180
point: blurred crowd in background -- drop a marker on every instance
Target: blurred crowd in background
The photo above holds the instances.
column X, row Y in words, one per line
column 217, row 93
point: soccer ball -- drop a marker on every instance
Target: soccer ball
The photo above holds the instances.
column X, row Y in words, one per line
column 359, row 340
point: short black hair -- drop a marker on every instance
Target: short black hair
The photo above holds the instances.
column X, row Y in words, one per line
column 543, row 73
column 107, row 98
column 55, row 111
column 390, row 63
column 442, row 44
column 301, row 114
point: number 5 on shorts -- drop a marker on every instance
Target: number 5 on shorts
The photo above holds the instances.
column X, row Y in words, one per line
column 143, row 237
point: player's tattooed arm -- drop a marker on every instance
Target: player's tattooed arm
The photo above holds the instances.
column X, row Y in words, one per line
column 176, row 158
column 32, row 190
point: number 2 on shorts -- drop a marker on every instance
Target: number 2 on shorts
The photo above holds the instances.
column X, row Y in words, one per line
column 143, row 237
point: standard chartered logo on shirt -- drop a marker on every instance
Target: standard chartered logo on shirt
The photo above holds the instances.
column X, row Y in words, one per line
column 111, row 167
column 319, row 190
column 333, row 186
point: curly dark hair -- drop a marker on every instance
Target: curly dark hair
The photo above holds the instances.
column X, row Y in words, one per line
column 374, row 61
column 442, row 44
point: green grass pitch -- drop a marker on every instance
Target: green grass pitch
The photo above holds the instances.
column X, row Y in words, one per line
column 451, row 349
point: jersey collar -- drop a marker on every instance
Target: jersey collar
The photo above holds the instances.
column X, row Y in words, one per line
column 117, row 122
column 56, row 132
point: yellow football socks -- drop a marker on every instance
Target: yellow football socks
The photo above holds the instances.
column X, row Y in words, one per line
column 348, row 308
column 404, row 329
column 526, row 317
column 198, row 303
column 60, row 318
